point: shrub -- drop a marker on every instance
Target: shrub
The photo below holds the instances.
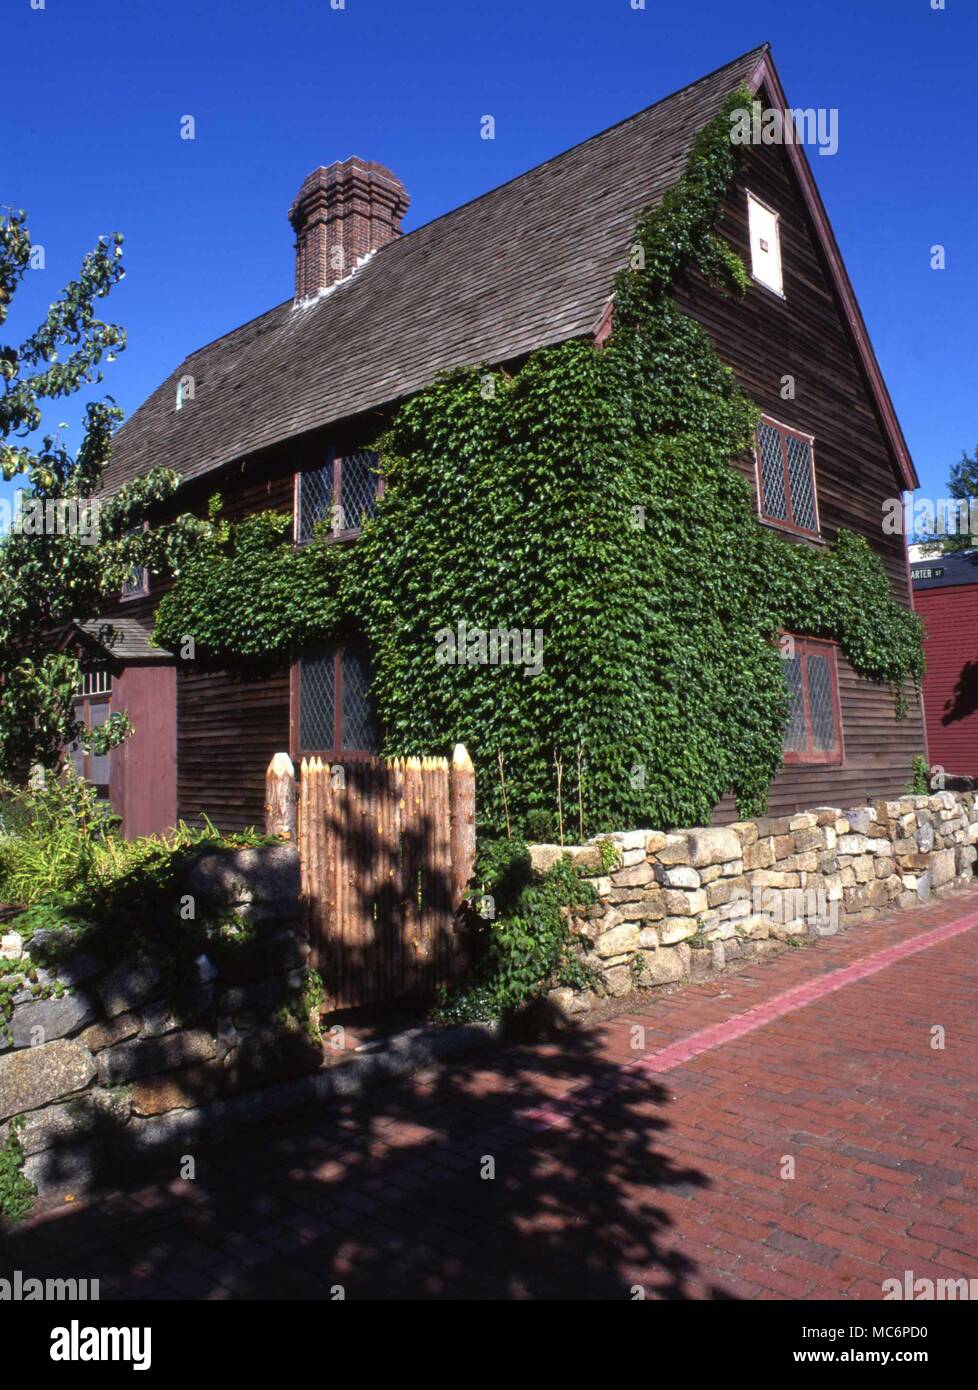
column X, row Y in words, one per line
column 49, row 835
column 528, row 943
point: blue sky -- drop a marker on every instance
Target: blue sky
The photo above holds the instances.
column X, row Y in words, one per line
column 94, row 92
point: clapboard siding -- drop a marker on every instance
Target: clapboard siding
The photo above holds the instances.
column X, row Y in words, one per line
column 228, row 728
column 764, row 338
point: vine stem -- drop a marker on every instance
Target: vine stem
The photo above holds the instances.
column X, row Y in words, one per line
column 501, row 758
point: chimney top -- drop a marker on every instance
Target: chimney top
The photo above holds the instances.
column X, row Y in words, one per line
column 341, row 214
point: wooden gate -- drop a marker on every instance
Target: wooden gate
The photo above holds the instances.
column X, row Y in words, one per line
column 386, row 850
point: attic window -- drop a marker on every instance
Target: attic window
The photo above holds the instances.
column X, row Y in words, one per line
column 786, row 478
column 765, row 244
column 342, row 491
column 813, row 733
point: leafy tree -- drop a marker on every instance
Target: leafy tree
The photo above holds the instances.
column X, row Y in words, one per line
column 963, row 487
column 65, row 557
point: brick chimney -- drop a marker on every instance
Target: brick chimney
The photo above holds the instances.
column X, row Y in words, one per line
column 340, row 214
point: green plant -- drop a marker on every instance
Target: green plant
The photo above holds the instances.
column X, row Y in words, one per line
column 540, row 828
column 611, row 856
column 304, row 1005
column 528, row 944
column 920, row 783
column 16, row 1190
column 48, row 837
column 130, row 899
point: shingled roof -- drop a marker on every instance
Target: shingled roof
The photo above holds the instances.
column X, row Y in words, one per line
column 527, row 264
column 125, row 639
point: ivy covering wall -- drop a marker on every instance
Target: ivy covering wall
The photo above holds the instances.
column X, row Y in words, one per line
column 588, row 497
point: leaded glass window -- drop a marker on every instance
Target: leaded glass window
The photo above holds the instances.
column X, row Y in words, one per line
column 813, row 731
column 336, row 714
column 786, row 478
column 342, row 491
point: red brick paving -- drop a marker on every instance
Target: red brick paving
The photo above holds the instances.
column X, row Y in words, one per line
column 609, row 1173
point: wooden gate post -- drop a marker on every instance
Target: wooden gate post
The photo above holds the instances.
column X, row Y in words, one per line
column 462, row 806
column 280, row 797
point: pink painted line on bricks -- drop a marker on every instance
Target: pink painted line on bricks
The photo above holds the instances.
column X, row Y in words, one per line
column 557, row 1114
column 741, row 1024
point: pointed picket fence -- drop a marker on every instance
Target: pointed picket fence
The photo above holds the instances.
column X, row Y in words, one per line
column 386, row 849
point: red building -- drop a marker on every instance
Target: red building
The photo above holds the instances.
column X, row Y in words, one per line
column 945, row 594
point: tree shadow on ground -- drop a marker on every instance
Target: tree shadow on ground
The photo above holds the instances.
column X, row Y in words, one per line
column 526, row 1172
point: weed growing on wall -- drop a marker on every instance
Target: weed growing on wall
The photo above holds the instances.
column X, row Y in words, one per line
column 527, row 945
column 16, row 1190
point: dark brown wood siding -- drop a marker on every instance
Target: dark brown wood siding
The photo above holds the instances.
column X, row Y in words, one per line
column 764, row 338
column 229, row 726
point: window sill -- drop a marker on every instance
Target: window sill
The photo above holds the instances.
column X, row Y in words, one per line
column 334, row 537
column 812, row 537
column 805, row 760
column 775, row 294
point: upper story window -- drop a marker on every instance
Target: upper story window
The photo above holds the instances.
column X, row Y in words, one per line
column 343, row 491
column 333, row 709
column 786, row 478
column 765, row 244
column 136, row 583
column 814, row 730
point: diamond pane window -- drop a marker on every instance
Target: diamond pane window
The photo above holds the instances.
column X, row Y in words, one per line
column 315, row 498
column 358, row 489
column 136, row 583
column 821, row 702
column 360, row 733
column 786, row 478
column 344, row 491
column 335, row 715
column 813, row 733
column 317, row 702
column 774, row 499
column 801, row 482
column 795, row 738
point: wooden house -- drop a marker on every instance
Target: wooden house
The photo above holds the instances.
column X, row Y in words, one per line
column 277, row 414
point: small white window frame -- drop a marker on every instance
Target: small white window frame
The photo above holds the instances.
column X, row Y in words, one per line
column 778, row 289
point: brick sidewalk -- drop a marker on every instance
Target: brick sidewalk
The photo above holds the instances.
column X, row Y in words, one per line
column 615, row 1166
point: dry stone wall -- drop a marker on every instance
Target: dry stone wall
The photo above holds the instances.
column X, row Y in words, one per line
column 102, row 1051
column 684, row 905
